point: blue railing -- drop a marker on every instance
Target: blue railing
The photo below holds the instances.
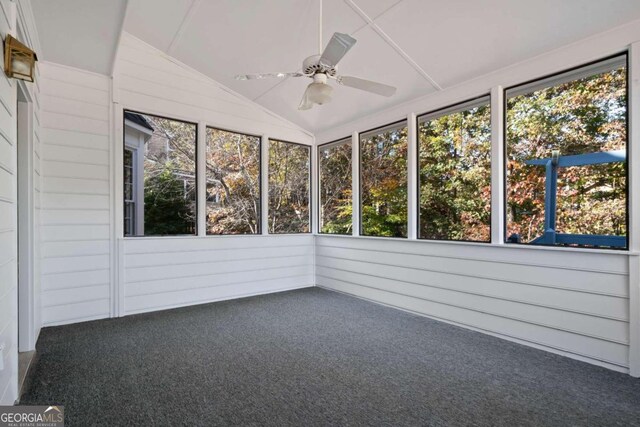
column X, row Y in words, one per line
column 550, row 236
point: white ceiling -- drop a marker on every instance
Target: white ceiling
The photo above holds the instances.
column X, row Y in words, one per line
column 79, row 33
column 419, row 46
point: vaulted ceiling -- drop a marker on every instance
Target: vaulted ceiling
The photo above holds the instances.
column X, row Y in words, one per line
column 419, row 46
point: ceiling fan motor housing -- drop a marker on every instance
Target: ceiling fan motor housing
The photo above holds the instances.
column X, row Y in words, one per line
column 312, row 65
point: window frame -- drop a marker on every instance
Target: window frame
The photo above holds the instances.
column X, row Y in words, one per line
column 441, row 112
column 346, row 140
column 553, row 79
column 309, row 192
column 260, row 189
column 368, row 131
column 195, row 159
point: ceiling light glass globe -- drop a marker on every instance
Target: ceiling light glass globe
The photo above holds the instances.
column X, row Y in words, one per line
column 320, row 93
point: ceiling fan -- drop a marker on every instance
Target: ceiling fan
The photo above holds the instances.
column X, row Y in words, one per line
column 323, row 67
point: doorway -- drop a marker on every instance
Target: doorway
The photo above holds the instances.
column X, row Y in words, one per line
column 25, row 222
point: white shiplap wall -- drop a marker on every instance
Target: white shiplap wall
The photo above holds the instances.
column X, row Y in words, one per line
column 581, row 303
column 575, row 303
column 75, row 204
column 170, row 272
column 163, row 272
column 8, row 218
column 11, row 17
column 88, row 270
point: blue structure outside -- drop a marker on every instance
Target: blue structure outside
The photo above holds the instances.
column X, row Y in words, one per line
column 550, row 236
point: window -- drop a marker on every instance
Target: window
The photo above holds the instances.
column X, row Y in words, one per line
column 289, row 187
column 159, row 176
column 129, row 193
column 454, row 172
column 383, row 181
column 567, row 158
column 233, row 183
column 335, row 187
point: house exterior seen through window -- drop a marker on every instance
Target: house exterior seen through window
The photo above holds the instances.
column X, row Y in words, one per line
column 159, row 176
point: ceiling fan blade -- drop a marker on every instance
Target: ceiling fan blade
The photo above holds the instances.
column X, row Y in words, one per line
column 266, row 76
column 338, row 46
column 305, row 102
column 368, row 85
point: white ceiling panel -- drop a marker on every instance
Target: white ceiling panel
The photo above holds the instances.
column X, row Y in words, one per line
column 156, row 25
column 79, row 33
column 225, row 38
column 457, row 40
column 451, row 41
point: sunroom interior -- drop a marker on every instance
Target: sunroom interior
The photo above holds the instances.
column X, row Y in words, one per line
column 205, row 219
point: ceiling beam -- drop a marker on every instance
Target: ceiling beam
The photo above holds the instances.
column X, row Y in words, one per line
column 183, row 26
column 392, row 43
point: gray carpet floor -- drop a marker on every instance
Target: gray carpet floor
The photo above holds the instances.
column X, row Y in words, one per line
column 314, row 357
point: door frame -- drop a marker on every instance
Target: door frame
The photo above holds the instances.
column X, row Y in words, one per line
column 26, row 209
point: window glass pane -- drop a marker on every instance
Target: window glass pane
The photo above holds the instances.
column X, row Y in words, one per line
column 383, row 181
column 233, row 183
column 567, row 170
column 455, row 173
column 335, row 188
column 167, row 171
column 289, row 184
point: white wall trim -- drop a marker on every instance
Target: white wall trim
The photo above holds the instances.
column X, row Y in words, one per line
column 497, row 165
column 314, row 170
column 27, row 331
column 355, row 184
column 264, row 185
column 412, row 177
column 634, row 208
column 201, row 179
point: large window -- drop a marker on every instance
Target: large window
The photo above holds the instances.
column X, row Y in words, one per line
column 159, row 176
column 383, row 181
column 233, row 183
column 335, row 187
column 454, row 162
column 567, row 162
column 289, row 187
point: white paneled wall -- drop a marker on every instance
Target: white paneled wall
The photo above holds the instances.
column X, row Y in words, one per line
column 75, row 205
column 170, row 272
column 576, row 303
column 8, row 224
column 163, row 272
column 12, row 18
column 88, row 270
column 580, row 303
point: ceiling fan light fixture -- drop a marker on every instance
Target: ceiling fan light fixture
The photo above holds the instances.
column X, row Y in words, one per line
column 319, row 93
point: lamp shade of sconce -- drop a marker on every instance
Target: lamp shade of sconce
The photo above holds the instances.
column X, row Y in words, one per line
column 19, row 60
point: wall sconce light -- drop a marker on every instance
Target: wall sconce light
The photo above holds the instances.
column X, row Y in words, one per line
column 19, row 60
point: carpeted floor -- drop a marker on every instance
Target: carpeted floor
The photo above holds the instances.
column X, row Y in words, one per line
column 314, row 357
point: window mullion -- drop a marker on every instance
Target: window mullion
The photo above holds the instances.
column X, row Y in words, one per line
column 497, row 166
column 201, row 178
